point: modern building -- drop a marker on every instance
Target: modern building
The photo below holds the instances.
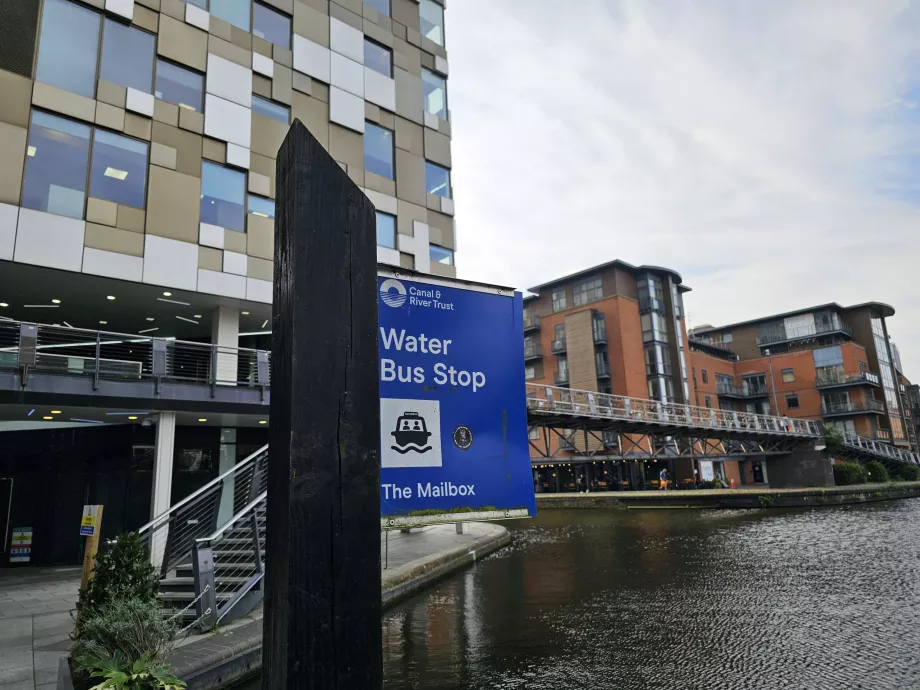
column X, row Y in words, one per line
column 137, row 182
column 825, row 362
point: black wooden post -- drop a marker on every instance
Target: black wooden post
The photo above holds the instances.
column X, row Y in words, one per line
column 322, row 603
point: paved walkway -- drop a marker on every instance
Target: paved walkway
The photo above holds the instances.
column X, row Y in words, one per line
column 35, row 604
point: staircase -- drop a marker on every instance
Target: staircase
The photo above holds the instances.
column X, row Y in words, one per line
column 209, row 572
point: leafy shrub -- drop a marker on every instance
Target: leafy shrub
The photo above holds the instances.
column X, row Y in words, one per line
column 849, row 473
column 766, row 501
column 123, row 571
column 131, row 628
column 833, row 437
column 877, row 472
column 118, row 672
column 909, row 473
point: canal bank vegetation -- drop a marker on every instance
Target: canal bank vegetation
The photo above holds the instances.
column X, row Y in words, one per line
column 121, row 639
column 849, row 473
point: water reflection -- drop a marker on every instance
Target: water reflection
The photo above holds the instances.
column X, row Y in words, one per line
column 675, row 599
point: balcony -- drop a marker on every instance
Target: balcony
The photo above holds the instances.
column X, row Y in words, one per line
column 531, row 323
column 726, row 390
column 603, row 370
column 561, row 378
column 881, row 435
column 558, row 347
column 780, row 334
column 839, row 380
column 600, row 336
column 532, row 352
column 649, row 304
column 853, row 407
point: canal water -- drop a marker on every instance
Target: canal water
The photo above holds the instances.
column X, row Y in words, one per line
column 822, row 598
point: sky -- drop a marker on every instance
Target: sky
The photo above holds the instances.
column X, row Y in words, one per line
column 768, row 151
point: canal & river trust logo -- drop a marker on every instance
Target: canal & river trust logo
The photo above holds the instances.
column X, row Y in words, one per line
column 393, row 293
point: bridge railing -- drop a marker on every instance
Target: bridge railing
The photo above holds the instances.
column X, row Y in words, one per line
column 553, row 400
column 884, row 450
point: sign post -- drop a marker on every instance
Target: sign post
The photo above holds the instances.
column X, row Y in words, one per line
column 453, row 412
column 90, row 527
column 322, row 626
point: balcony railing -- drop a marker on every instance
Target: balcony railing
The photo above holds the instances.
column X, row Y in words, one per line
column 839, row 380
column 781, row 334
column 561, row 377
column 531, row 322
column 32, row 349
column 603, row 370
column 852, row 407
column 558, row 346
column 730, row 390
column 649, row 304
column 600, row 336
column 533, row 352
column 886, row 450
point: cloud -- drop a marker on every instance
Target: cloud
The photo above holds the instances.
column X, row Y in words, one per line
column 767, row 151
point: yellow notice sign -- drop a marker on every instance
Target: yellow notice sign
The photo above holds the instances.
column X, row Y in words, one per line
column 88, row 521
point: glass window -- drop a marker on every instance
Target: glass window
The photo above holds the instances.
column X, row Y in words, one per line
column 260, row 206
column 530, row 372
column 178, row 85
column 587, row 291
column 828, row 356
column 127, row 56
column 441, row 255
column 708, row 402
column 234, row 11
column 271, row 109
column 119, row 169
column 792, row 401
column 727, row 338
column 434, row 92
column 55, row 174
column 270, row 25
column 437, row 179
column 382, row 6
column 788, row 375
column 378, row 150
column 378, row 58
column 432, row 15
column 69, row 47
column 386, row 230
column 705, row 375
column 223, row 193
column 203, row 4
column 559, row 299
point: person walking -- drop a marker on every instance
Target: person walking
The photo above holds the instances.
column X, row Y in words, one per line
column 663, row 479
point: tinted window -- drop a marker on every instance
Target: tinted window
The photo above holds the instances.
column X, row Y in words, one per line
column 386, row 230
column 56, row 163
column 234, row 11
column 127, row 56
column 441, row 255
column 178, row 85
column 119, row 169
column 223, row 193
column 203, row 4
column 378, row 58
column 260, row 206
column 269, row 109
column 382, row 6
column 432, row 15
column 272, row 26
column 378, row 150
column 69, row 47
column 437, row 179
column 434, row 91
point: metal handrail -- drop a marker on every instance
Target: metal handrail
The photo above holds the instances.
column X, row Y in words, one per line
column 741, row 391
column 232, row 521
column 214, row 482
column 604, row 406
column 779, row 333
column 839, row 379
column 885, row 450
column 852, row 406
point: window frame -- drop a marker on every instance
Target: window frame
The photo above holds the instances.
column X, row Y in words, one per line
column 589, row 290
column 790, row 397
column 448, row 252
column 377, row 216
column 442, row 24
column 100, row 16
column 370, row 127
column 270, row 102
column 443, row 80
column 203, row 77
column 245, row 200
column 389, row 52
column 153, row 53
column 389, row 4
column 273, row 10
column 249, row 197
column 450, row 190
column 92, row 154
column 564, row 301
column 787, row 372
column 247, row 29
column 704, row 374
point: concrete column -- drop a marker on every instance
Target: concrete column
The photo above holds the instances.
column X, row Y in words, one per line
column 225, row 333
column 161, row 489
column 227, row 461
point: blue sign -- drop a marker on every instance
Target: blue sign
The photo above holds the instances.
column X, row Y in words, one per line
column 453, row 414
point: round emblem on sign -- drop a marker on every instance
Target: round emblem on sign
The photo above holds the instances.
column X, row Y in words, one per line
column 463, row 437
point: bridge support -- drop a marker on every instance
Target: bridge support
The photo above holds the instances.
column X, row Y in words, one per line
column 802, row 468
column 161, row 490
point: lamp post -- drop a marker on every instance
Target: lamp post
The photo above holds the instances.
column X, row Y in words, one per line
column 772, row 382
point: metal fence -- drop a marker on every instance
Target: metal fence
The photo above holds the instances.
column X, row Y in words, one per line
column 39, row 349
column 551, row 400
column 883, row 450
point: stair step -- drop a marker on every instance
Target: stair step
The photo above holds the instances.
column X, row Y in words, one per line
column 189, row 595
column 189, row 581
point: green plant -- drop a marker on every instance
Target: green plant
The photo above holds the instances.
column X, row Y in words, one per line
column 120, row 673
column 122, row 571
column 833, row 437
column 876, row 472
column 848, row 473
column 128, row 627
column 766, row 501
column 909, row 473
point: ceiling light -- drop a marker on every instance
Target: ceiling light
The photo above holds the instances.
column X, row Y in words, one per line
column 182, row 318
column 167, row 294
column 132, row 417
column 173, row 301
column 202, row 420
column 55, row 412
column 259, row 213
column 47, row 417
column 265, row 323
column 110, row 297
column 88, row 421
column 31, row 412
column 116, row 173
column 149, row 330
column 197, row 316
column 4, row 304
column 262, row 421
column 67, row 324
column 150, row 318
column 32, row 150
column 245, row 313
column 40, row 306
column 55, row 301
column 103, row 322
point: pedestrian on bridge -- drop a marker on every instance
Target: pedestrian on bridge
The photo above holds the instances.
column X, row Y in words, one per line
column 663, row 479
